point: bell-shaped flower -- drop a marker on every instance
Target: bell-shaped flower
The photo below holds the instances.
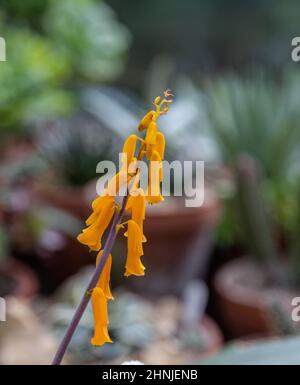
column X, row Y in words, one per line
column 92, row 235
column 104, row 279
column 134, row 264
column 99, row 306
column 155, row 177
column 147, row 119
column 129, row 151
column 116, row 183
column 136, row 205
column 160, row 144
column 97, row 206
column 150, row 139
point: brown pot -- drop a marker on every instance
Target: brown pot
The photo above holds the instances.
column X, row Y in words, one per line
column 215, row 338
column 18, row 279
column 247, row 305
column 57, row 266
column 68, row 198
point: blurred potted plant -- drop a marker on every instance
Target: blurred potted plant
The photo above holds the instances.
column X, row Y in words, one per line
column 256, row 123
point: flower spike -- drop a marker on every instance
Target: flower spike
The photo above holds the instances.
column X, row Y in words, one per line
column 151, row 146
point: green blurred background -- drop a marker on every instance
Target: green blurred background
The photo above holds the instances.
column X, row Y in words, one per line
column 77, row 78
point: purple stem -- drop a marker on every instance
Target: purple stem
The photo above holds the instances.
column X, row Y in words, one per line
column 93, row 282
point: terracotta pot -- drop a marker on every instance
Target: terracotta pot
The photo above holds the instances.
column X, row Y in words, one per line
column 215, row 338
column 57, row 266
column 54, row 265
column 18, row 279
column 247, row 305
column 68, row 198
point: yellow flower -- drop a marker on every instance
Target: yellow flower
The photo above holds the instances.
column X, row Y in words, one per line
column 129, row 151
column 104, row 279
column 136, row 205
column 155, row 177
column 135, row 184
column 98, row 203
column 99, row 305
column 151, row 134
column 116, row 183
column 150, row 139
column 92, row 235
column 147, row 119
column 160, row 144
column 97, row 206
column 134, row 265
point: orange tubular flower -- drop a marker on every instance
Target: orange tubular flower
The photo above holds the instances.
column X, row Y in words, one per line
column 97, row 206
column 136, row 205
column 98, row 203
column 155, row 176
column 147, row 119
column 104, row 279
column 151, row 139
column 92, row 235
column 134, row 265
column 129, row 151
column 160, row 144
column 116, row 183
column 99, row 305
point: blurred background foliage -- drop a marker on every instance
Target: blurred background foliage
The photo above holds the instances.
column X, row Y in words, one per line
column 78, row 77
column 203, row 37
column 53, row 48
column 259, row 117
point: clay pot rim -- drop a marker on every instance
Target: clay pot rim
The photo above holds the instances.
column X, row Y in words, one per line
column 216, row 336
column 228, row 283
